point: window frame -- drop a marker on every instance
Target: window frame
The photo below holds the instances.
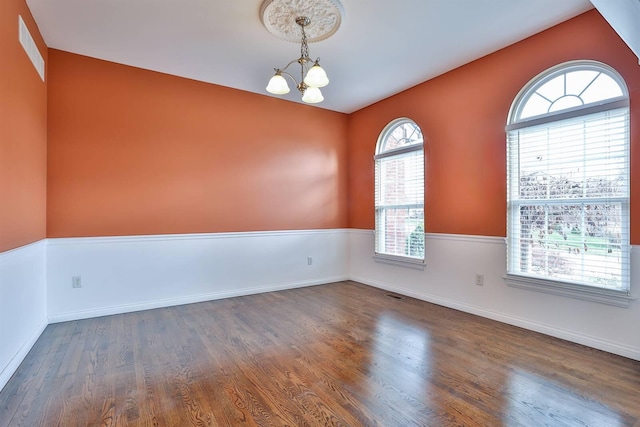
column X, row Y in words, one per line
column 583, row 291
column 394, row 259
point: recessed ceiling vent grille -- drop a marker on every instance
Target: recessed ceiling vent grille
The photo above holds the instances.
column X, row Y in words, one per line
column 30, row 47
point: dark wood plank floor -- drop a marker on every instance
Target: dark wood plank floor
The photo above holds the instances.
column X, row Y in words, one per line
column 341, row 354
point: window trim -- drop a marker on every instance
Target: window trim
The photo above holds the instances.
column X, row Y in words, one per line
column 393, row 259
column 571, row 113
column 402, row 261
column 399, row 151
column 582, row 291
column 567, row 289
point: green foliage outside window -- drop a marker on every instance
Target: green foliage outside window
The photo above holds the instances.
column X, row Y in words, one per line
column 415, row 243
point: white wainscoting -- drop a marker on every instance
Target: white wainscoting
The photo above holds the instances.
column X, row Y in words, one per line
column 23, row 304
column 124, row 274
column 452, row 261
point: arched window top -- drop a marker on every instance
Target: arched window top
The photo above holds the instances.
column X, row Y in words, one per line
column 572, row 86
column 399, row 135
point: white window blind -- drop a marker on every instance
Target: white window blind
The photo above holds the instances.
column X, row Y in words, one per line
column 399, row 191
column 568, row 199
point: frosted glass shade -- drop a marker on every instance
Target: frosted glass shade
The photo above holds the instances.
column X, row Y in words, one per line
column 278, row 85
column 312, row 95
column 316, row 77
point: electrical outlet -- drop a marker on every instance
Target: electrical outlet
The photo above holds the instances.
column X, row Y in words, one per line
column 480, row 279
column 76, row 281
column 309, row 260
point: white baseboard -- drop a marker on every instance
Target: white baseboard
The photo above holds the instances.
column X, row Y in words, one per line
column 15, row 362
column 191, row 299
column 600, row 344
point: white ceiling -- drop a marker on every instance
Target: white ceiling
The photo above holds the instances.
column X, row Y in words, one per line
column 382, row 47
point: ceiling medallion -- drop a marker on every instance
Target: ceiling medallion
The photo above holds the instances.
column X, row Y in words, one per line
column 279, row 18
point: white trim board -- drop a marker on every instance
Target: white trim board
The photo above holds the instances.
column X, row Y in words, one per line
column 55, row 241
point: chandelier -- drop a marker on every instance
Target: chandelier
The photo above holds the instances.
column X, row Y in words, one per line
column 304, row 22
column 311, row 78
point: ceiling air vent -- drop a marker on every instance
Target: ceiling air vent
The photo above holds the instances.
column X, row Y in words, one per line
column 30, row 47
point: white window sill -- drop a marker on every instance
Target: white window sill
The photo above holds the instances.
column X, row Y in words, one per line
column 401, row 261
column 582, row 292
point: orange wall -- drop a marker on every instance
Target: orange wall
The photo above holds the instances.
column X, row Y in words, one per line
column 137, row 152
column 23, row 133
column 463, row 114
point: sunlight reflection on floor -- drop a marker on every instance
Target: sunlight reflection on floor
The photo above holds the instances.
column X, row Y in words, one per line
column 529, row 396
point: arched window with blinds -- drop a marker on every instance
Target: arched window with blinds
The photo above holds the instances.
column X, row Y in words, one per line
column 399, row 193
column 568, row 184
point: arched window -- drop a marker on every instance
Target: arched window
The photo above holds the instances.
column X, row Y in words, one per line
column 568, row 184
column 399, row 197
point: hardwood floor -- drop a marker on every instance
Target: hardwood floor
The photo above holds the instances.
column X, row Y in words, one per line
column 343, row 354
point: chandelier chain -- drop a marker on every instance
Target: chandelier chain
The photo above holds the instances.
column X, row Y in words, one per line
column 304, row 49
column 303, row 21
